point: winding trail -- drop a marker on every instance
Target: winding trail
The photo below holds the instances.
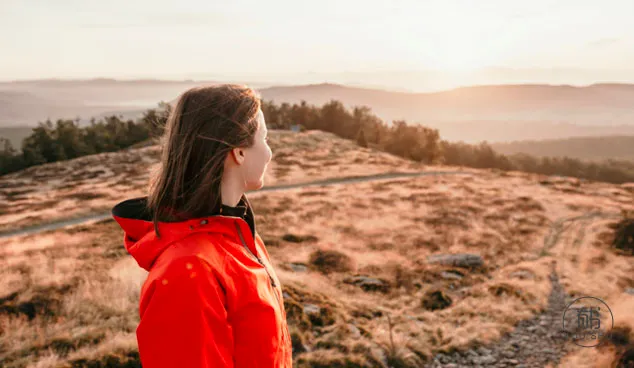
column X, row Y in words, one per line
column 538, row 341
column 345, row 180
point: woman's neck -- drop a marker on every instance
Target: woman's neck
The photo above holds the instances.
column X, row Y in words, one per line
column 231, row 191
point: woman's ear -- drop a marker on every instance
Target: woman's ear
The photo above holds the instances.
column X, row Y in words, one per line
column 238, row 155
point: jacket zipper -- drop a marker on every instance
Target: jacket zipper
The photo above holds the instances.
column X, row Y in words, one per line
column 260, row 261
column 279, row 303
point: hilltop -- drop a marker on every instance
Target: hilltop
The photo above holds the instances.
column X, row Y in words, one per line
column 90, row 184
column 348, row 256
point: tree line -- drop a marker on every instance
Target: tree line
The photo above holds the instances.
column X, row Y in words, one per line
column 66, row 140
column 423, row 144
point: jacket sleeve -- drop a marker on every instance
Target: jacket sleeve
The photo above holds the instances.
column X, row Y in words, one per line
column 184, row 321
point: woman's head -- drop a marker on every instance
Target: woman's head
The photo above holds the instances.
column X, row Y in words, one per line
column 213, row 132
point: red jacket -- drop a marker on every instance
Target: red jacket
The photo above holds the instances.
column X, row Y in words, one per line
column 211, row 298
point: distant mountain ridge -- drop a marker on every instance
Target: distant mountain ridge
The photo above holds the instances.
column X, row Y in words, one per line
column 472, row 113
column 490, row 112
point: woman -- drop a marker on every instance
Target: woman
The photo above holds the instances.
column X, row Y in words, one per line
column 211, row 298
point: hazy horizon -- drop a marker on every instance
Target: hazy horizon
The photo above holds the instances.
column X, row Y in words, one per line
column 408, row 45
column 403, row 81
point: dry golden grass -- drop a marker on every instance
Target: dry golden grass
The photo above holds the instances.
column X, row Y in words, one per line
column 71, row 296
column 92, row 184
column 75, row 297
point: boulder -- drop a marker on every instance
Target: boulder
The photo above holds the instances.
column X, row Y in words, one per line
column 451, row 275
column 464, row 260
column 298, row 267
column 311, row 309
column 368, row 283
column 522, row 275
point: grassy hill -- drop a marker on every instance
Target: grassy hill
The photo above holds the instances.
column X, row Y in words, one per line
column 90, row 184
column 365, row 267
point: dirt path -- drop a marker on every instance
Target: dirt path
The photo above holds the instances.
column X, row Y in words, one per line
column 345, row 180
column 538, row 341
column 534, row 342
column 564, row 223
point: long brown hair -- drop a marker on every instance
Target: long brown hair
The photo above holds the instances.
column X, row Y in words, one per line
column 206, row 124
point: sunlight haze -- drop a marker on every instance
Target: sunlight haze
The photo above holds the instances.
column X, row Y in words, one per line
column 449, row 42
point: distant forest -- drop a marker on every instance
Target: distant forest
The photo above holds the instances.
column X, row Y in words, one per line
column 64, row 140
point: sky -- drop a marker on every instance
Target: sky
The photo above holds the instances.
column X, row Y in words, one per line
column 572, row 41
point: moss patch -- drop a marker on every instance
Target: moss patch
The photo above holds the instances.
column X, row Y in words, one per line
column 328, row 261
column 435, row 299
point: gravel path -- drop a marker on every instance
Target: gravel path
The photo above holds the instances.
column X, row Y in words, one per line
column 534, row 342
column 538, row 341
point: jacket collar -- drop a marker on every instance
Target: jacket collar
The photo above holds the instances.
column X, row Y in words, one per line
column 141, row 241
column 240, row 210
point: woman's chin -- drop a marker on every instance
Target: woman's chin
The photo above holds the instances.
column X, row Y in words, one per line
column 258, row 185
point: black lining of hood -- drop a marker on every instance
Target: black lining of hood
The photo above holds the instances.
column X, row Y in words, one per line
column 136, row 208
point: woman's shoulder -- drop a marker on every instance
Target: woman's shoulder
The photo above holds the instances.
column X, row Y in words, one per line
column 197, row 248
column 181, row 280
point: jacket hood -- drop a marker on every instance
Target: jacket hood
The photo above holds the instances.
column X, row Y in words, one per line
column 145, row 246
